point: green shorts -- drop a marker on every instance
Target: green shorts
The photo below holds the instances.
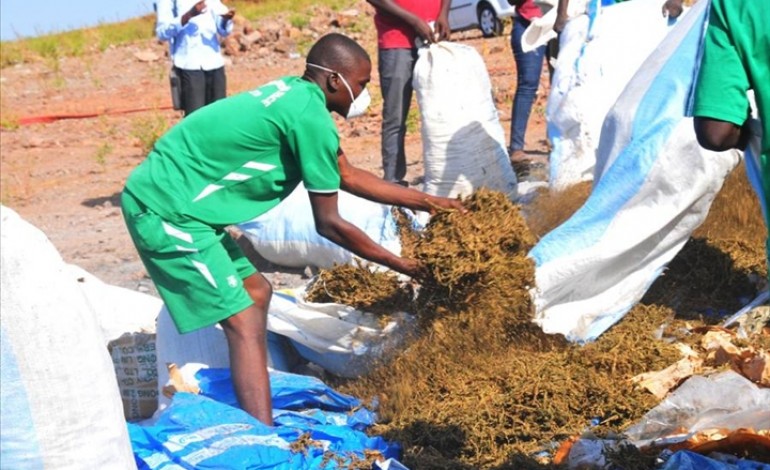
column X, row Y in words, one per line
column 197, row 269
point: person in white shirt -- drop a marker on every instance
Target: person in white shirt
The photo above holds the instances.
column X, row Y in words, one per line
column 193, row 29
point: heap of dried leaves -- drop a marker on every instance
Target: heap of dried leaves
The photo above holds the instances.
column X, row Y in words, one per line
column 481, row 387
column 356, row 285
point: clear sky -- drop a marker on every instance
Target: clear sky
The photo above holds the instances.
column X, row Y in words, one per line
column 25, row 18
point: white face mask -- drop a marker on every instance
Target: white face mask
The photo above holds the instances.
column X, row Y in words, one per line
column 359, row 104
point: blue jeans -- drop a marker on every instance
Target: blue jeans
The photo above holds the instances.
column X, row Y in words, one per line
column 528, row 68
column 396, row 67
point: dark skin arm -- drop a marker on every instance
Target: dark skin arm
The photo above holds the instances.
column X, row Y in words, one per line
column 332, row 226
column 418, row 24
column 196, row 10
column 719, row 136
column 561, row 16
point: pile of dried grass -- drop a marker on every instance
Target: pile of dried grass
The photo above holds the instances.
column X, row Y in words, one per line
column 379, row 293
column 482, row 387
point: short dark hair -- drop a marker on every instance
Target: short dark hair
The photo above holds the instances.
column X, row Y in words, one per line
column 337, row 52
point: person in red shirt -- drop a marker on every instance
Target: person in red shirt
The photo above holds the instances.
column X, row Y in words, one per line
column 399, row 23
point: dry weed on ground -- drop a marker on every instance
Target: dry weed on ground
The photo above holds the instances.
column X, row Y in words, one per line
column 481, row 387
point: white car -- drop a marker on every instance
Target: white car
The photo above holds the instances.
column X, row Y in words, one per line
column 484, row 14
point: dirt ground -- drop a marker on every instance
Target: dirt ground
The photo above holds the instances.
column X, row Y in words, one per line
column 65, row 177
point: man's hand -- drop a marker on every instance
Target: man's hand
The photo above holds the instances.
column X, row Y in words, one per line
column 410, row 267
column 442, row 28
column 422, row 29
column 446, row 203
column 196, row 10
column 672, row 8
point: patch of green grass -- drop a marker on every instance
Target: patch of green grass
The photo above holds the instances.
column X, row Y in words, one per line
column 299, row 21
column 413, row 120
column 148, row 129
column 99, row 38
column 259, row 9
column 102, row 152
column 77, row 42
column 8, row 123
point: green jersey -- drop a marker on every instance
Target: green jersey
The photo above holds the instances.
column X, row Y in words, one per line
column 736, row 58
column 239, row 157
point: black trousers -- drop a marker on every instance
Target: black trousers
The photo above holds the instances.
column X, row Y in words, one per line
column 201, row 87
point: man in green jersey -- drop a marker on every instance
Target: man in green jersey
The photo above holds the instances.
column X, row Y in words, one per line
column 735, row 59
column 235, row 159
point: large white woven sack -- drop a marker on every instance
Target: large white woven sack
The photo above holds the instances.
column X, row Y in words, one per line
column 596, row 60
column 463, row 143
column 59, row 401
column 653, row 188
column 286, row 235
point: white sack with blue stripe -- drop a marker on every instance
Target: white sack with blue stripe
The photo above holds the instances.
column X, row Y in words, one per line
column 60, row 407
column 654, row 185
column 599, row 53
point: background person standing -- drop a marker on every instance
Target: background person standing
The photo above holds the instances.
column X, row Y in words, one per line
column 194, row 44
column 529, row 65
column 399, row 23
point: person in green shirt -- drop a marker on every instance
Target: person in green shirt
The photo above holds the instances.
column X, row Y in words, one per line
column 735, row 59
column 235, row 159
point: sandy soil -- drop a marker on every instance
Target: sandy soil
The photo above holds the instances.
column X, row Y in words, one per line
column 65, row 176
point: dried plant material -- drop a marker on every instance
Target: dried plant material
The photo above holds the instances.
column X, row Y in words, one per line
column 303, row 443
column 351, row 461
column 750, row 361
column 659, row 383
column 481, row 386
column 552, row 208
column 378, row 292
column 757, row 368
column 177, row 383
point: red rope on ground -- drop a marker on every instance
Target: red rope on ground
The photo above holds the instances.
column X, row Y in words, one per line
column 58, row 117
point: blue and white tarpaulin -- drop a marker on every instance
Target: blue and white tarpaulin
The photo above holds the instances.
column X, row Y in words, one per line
column 653, row 185
column 208, row 431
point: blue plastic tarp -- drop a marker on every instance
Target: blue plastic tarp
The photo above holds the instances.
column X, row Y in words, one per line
column 208, row 431
column 686, row 460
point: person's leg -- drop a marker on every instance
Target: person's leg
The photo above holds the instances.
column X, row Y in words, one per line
column 528, row 68
column 246, row 334
column 193, row 83
column 395, row 68
column 204, row 278
column 216, row 85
